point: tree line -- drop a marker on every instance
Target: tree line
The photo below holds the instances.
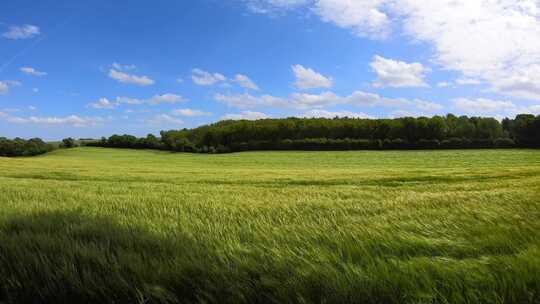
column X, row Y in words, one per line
column 21, row 147
column 438, row 132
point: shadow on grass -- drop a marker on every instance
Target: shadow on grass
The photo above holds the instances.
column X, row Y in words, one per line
column 67, row 257
column 70, row 258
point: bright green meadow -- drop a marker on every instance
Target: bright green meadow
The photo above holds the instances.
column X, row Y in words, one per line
column 91, row 225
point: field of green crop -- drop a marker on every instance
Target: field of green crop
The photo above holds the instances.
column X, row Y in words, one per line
column 92, row 225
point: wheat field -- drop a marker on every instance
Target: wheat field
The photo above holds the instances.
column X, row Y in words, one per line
column 91, row 225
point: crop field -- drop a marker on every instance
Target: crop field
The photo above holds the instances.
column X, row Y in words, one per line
column 124, row 226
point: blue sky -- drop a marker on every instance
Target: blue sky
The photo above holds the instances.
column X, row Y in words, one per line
column 95, row 68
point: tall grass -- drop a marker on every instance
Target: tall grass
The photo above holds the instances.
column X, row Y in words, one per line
column 95, row 225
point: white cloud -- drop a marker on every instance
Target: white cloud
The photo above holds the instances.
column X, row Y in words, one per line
column 21, row 32
column 493, row 41
column 521, row 84
column 247, row 101
column 305, row 101
column 365, row 18
column 405, row 113
column 330, row 114
column 310, row 101
column 168, row 98
column 32, row 71
column 427, row 106
column 398, row 74
column 164, row 119
column 489, row 40
column 443, row 84
column 245, row 115
column 4, row 88
column 190, row 113
column 165, row 98
column 5, row 85
column 245, row 82
column 123, row 67
column 484, row 106
column 204, row 78
column 103, row 103
column 35, row 90
column 357, row 98
column 468, row 81
column 72, row 120
column 10, row 110
column 270, row 6
column 130, row 79
column 307, row 78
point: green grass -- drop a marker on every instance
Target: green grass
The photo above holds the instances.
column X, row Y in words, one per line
column 118, row 226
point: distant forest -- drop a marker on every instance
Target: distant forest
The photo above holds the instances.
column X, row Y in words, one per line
column 22, row 147
column 448, row 132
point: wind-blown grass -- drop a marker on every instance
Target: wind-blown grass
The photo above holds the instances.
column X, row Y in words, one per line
column 94, row 225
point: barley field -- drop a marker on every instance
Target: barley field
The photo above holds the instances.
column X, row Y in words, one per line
column 91, row 225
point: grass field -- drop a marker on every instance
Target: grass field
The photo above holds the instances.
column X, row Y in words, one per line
column 121, row 226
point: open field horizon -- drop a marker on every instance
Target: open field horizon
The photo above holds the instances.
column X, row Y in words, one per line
column 106, row 225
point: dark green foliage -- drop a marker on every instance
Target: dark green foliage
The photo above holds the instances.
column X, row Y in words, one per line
column 21, row 147
column 128, row 142
column 525, row 130
column 69, row 143
column 449, row 132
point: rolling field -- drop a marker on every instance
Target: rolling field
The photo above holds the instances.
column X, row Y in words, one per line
column 92, row 225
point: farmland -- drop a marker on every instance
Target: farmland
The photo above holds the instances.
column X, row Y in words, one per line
column 125, row 226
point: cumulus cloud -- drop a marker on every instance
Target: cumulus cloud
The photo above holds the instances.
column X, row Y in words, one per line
column 332, row 114
column 190, row 113
column 32, row 71
column 493, row 41
column 247, row 101
column 245, row 115
column 103, row 103
column 165, row 98
column 124, row 77
column 484, row 106
column 307, row 78
column 168, row 98
column 398, row 74
column 164, row 119
column 522, row 84
column 357, row 98
column 204, row 78
column 245, row 82
column 21, row 32
column 304, row 101
column 365, row 18
column 484, row 40
column 72, row 120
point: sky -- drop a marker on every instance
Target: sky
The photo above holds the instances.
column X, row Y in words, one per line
column 96, row 68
